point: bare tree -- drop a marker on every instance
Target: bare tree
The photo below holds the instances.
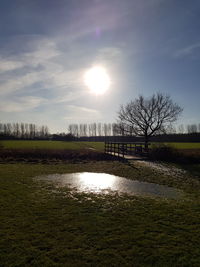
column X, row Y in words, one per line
column 105, row 129
column 169, row 129
column 192, row 128
column 81, row 129
column 148, row 116
column 94, row 129
column 70, row 129
column 22, row 129
column 109, row 129
column 85, row 129
column 1, row 128
column 115, row 130
column 181, row 129
column 90, row 129
column 74, row 129
column 27, row 130
column 99, row 128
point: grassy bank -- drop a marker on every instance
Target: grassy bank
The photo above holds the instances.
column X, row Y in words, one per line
column 44, row 227
column 52, row 155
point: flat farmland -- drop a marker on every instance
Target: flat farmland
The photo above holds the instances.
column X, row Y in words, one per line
column 64, row 145
column 184, row 145
column 43, row 225
column 23, row 144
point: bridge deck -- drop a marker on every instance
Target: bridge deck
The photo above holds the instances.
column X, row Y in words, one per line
column 130, row 151
column 129, row 157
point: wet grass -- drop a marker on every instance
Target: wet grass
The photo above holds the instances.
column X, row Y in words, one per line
column 41, row 226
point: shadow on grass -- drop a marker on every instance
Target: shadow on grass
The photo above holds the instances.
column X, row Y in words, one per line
column 168, row 153
column 45, row 155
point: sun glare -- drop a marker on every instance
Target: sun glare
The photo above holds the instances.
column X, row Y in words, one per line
column 97, row 80
column 97, row 181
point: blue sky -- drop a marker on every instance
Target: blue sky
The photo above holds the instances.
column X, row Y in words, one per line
column 146, row 46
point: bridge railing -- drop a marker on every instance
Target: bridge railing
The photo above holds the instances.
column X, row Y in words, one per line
column 122, row 148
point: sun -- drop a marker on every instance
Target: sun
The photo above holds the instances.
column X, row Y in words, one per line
column 97, row 80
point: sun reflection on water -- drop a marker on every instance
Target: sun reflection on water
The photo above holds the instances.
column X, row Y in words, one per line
column 90, row 182
column 96, row 181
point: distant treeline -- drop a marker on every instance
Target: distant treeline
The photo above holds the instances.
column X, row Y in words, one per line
column 114, row 129
column 193, row 137
column 23, row 131
column 113, row 132
column 94, row 129
column 95, row 132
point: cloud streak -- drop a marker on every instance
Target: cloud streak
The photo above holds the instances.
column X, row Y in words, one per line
column 21, row 104
column 81, row 113
column 188, row 50
column 10, row 65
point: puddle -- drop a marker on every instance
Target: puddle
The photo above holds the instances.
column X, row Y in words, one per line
column 89, row 182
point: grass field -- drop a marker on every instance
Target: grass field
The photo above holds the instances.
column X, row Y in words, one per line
column 184, row 145
column 45, row 226
column 13, row 144
column 77, row 145
column 41, row 226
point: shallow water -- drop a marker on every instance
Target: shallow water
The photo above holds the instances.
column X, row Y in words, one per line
column 105, row 183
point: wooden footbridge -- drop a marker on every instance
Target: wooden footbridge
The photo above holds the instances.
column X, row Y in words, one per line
column 125, row 150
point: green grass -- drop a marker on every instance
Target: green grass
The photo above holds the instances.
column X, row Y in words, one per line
column 13, row 144
column 41, row 226
column 184, row 145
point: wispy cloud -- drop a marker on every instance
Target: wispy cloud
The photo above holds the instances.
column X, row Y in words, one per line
column 36, row 66
column 21, row 104
column 69, row 97
column 9, row 65
column 48, row 67
column 188, row 50
column 81, row 109
column 44, row 66
column 18, row 83
column 53, row 67
column 81, row 113
column 111, row 54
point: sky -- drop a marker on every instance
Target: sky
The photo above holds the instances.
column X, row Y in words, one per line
column 46, row 46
